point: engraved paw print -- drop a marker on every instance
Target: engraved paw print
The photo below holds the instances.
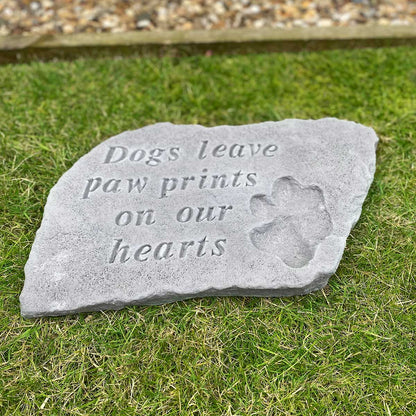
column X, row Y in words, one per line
column 295, row 221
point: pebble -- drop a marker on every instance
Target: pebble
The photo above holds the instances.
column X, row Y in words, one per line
column 325, row 23
column 142, row 24
column 187, row 26
column 383, row 21
column 88, row 16
column 110, row 21
column 34, row 6
column 218, row 8
column 67, row 28
column 310, row 16
column 253, row 9
column 258, row 23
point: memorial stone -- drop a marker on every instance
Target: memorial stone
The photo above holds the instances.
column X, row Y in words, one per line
column 171, row 212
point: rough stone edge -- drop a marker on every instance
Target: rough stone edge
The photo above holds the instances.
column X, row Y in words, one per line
column 18, row 48
column 316, row 282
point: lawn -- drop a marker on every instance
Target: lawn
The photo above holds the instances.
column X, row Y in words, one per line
column 349, row 349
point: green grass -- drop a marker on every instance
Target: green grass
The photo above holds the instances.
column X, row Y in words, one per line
column 347, row 350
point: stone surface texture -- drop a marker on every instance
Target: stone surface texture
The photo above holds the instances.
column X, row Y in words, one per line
column 171, row 212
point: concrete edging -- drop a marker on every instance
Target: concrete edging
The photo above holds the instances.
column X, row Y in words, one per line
column 18, row 48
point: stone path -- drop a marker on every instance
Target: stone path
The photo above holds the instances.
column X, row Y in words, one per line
column 87, row 16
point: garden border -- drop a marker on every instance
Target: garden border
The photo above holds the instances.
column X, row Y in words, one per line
column 22, row 48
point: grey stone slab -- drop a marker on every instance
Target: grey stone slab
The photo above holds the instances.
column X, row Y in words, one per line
column 170, row 212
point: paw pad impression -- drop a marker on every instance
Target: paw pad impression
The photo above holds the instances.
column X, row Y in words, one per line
column 295, row 219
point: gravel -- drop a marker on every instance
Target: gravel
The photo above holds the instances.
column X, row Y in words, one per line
column 87, row 16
